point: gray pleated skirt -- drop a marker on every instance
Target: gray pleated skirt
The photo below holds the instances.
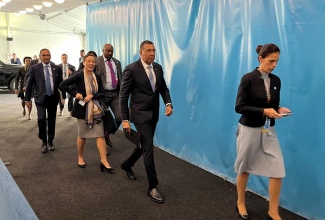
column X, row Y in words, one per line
column 258, row 152
column 85, row 132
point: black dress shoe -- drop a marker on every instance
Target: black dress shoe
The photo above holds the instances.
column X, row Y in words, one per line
column 44, row 148
column 82, row 165
column 51, row 146
column 155, row 195
column 107, row 169
column 242, row 216
column 129, row 172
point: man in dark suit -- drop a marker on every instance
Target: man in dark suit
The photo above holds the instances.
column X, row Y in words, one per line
column 35, row 61
column 82, row 54
column 43, row 80
column 67, row 70
column 144, row 81
column 110, row 71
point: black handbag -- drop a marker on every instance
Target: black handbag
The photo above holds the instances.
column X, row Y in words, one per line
column 20, row 94
column 109, row 122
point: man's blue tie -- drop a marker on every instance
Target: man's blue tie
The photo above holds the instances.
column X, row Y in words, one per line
column 48, row 81
column 152, row 79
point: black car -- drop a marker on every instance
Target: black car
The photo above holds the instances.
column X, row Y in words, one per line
column 8, row 74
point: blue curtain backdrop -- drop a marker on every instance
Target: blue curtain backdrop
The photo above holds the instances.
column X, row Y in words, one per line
column 205, row 48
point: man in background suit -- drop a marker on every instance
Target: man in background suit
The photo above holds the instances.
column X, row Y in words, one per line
column 67, row 70
column 144, row 81
column 43, row 80
column 110, row 71
column 35, row 61
column 82, row 54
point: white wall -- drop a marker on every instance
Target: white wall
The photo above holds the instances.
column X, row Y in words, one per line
column 30, row 34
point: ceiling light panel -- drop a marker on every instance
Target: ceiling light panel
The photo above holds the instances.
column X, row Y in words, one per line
column 38, row 7
column 47, row 4
column 29, row 10
column 59, row 1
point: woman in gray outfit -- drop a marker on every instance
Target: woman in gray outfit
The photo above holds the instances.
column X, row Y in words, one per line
column 258, row 150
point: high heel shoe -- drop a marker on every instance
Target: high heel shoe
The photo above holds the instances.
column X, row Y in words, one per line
column 82, row 165
column 24, row 112
column 242, row 216
column 103, row 168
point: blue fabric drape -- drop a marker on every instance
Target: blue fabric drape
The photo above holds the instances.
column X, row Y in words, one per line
column 205, row 47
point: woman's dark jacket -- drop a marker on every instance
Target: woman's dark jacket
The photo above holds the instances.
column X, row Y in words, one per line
column 78, row 110
column 251, row 98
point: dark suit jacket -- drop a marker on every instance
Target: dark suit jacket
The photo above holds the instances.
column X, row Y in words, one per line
column 101, row 71
column 81, row 66
column 251, row 98
column 36, row 83
column 78, row 79
column 20, row 77
column 144, row 103
column 33, row 62
column 71, row 68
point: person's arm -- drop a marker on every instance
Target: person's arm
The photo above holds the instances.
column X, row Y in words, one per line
column 17, row 80
column 26, row 77
column 65, row 85
column 60, row 79
column 243, row 97
column 164, row 92
column 30, row 80
column 72, row 69
column 119, row 70
column 125, row 90
column 18, row 61
column 273, row 112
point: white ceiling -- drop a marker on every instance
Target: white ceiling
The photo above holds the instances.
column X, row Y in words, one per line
column 70, row 15
column 16, row 5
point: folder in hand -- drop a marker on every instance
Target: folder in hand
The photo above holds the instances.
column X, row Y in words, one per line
column 133, row 136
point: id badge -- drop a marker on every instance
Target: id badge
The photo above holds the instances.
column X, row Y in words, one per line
column 266, row 127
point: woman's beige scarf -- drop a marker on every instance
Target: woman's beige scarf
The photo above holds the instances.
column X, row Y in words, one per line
column 94, row 112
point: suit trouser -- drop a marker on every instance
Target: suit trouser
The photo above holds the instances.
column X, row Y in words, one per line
column 111, row 100
column 49, row 106
column 70, row 103
column 147, row 132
